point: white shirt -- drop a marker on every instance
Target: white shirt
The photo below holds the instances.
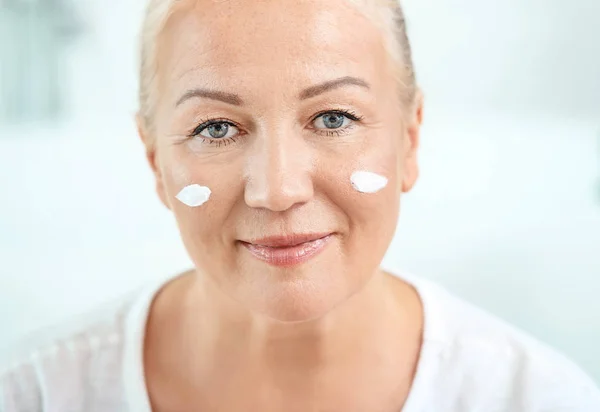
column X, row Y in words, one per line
column 470, row 361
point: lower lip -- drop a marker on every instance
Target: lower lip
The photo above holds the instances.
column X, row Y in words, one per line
column 288, row 256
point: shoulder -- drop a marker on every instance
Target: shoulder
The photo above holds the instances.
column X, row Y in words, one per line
column 479, row 354
column 62, row 366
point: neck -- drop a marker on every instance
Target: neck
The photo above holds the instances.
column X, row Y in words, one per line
column 366, row 312
column 372, row 329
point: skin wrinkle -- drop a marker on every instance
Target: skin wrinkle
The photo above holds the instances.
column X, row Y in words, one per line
column 350, row 327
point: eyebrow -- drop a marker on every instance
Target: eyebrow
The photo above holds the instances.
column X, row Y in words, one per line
column 332, row 84
column 312, row 91
column 228, row 98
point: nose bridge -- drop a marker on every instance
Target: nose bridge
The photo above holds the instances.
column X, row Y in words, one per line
column 278, row 171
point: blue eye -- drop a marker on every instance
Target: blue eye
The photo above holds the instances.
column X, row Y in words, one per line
column 216, row 130
column 222, row 132
column 333, row 120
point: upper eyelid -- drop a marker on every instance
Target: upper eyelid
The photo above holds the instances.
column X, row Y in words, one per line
column 354, row 118
column 216, row 121
column 342, row 111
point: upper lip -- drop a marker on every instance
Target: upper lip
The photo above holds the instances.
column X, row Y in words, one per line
column 287, row 240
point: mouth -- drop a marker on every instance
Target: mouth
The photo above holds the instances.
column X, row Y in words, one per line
column 285, row 251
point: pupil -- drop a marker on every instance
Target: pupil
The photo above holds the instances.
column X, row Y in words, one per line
column 219, row 130
column 333, row 121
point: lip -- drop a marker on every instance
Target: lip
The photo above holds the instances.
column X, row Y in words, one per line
column 290, row 250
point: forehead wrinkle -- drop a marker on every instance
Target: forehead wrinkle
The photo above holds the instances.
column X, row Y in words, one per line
column 313, row 20
column 210, row 42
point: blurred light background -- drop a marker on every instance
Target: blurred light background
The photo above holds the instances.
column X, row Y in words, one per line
column 506, row 213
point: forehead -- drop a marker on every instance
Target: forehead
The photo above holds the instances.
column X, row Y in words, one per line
column 286, row 42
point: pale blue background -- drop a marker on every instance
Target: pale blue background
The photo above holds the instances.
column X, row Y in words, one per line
column 506, row 213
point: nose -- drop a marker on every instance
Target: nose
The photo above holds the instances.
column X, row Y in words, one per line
column 279, row 173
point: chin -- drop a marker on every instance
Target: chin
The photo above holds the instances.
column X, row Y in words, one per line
column 301, row 299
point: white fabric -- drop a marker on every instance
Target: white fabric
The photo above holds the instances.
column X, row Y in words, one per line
column 470, row 361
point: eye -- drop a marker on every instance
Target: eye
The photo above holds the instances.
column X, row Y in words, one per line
column 333, row 120
column 216, row 130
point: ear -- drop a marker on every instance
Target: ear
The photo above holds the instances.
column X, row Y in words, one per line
column 410, row 166
column 150, row 145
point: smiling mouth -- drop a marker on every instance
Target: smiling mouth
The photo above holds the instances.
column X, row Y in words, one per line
column 285, row 251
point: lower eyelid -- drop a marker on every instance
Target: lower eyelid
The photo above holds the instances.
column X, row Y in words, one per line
column 338, row 132
column 218, row 142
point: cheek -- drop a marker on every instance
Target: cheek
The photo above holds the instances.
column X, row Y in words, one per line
column 366, row 174
column 188, row 178
column 351, row 180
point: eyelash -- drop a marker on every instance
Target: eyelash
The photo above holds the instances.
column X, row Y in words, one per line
column 224, row 142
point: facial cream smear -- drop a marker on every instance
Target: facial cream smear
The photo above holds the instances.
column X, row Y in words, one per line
column 194, row 195
column 368, row 182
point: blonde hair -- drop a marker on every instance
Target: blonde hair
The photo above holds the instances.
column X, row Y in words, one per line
column 389, row 13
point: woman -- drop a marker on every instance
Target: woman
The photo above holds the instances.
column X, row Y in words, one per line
column 281, row 134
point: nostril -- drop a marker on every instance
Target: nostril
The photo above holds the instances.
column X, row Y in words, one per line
column 278, row 193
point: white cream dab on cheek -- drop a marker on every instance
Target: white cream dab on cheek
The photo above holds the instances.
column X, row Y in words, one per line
column 368, row 182
column 194, row 195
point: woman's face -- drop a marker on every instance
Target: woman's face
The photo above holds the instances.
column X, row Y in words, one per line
column 273, row 105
